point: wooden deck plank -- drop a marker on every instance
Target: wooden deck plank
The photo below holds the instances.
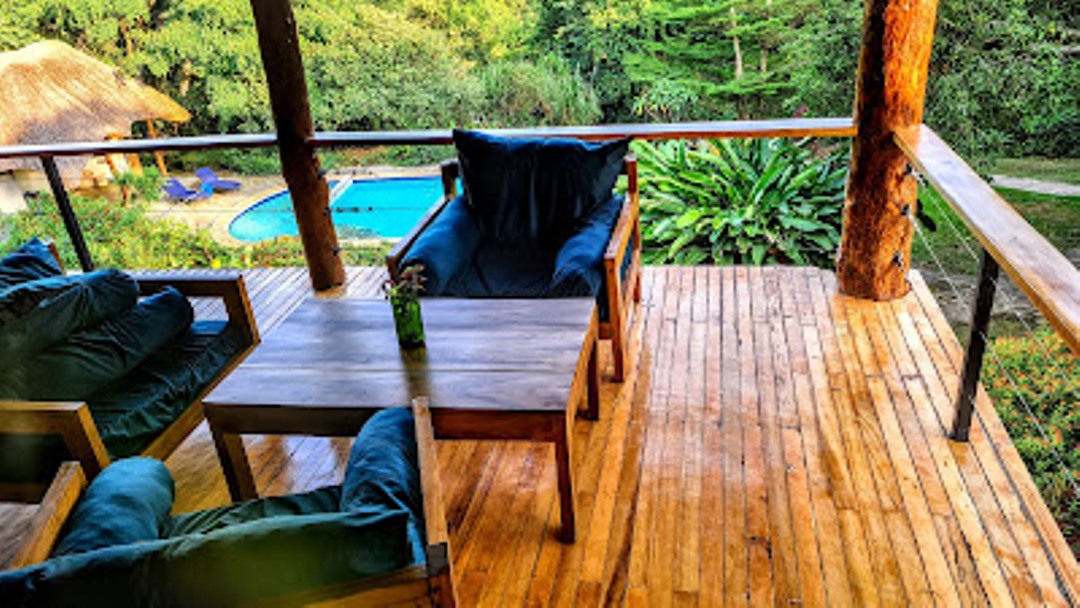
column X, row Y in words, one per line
column 772, row 443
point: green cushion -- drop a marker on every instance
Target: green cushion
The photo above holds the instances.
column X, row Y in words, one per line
column 128, row 502
column 39, row 313
column 131, row 412
column 323, row 500
column 94, row 357
column 243, row 564
column 27, row 263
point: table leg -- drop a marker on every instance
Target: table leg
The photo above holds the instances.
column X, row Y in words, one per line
column 593, row 382
column 563, row 463
column 235, row 465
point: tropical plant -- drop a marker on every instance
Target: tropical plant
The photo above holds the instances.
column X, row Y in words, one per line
column 741, row 201
column 146, row 187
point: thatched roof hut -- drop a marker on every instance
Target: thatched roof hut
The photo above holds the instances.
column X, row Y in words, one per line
column 50, row 92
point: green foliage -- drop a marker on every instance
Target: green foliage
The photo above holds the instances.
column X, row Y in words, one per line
column 545, row 92
column 146, row 187
column 740, row 201
column 1047, row 377
column 127, row 237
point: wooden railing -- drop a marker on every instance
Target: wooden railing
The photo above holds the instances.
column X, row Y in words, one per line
column 792, row 127
column 1049, row 280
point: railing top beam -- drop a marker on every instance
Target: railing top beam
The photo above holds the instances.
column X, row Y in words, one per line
column 791, row 127
column 1045, row 275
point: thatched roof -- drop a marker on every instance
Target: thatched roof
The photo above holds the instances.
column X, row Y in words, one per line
column 50, row 93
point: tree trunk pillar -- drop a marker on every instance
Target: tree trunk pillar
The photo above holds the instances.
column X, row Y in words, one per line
column 280, row 50
column 875, row 249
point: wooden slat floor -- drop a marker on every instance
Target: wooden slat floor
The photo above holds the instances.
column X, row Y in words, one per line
column 774, row 443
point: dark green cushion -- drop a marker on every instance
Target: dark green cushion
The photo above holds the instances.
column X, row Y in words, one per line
column 39, row 313
column 27, row 263
column 134, row 410
column 128, row 502
column 535, row 189
column 323, row 500
column 243, row 564
column 94, row 357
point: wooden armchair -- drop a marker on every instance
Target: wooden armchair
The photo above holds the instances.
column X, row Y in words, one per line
column 74, row 422
column 621, row 259
column 424, row 584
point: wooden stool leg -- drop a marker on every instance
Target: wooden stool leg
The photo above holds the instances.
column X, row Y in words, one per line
column 563, row 463
column 235, row 466
column 593, row 383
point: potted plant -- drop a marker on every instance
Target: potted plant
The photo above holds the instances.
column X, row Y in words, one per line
column 404, row 296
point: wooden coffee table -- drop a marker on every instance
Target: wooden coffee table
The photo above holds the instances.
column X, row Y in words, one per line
column 493, row 369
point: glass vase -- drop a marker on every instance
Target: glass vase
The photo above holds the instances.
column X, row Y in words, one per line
column 407, row 321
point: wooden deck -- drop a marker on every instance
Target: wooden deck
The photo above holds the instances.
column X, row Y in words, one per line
column 773, row 444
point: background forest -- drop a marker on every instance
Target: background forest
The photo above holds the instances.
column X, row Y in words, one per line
column 1003, row 83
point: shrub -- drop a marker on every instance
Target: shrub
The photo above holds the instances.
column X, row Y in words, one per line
column 740, row 201
column 120, row 236
column 1048, row 381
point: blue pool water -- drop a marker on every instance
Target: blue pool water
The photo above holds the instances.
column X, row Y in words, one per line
column 379, row 208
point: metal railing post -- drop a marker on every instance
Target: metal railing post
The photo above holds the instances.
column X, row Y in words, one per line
column 973, row 358
column 63, row 203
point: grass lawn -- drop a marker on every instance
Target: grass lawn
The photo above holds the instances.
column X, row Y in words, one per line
column 1065, row 170
column 1055, row 217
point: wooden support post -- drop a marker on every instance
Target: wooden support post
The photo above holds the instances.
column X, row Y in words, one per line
column 875, row 250
column 976, row 347
column 280, row 49
column 71, row 223
column 159, row 157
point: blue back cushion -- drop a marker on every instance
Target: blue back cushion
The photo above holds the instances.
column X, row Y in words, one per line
column 27, row 263
column 128, row 502
column 535, row 189
column 92, row 358
column 382, row 474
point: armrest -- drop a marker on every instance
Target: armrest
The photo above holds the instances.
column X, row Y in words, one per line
column 438, row 540
column 628, row 216
column 229, row 287
column 71, row 420
column 404, row 245
column 446, row 245
column 448, row 170
column 52, row 513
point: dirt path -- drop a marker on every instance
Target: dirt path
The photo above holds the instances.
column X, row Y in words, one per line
column 1035, row 185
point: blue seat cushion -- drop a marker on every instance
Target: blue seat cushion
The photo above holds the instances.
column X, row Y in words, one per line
column 535, row 189
column 29, row 262
column 243, row 564
column 128, row 502
column 87, row 360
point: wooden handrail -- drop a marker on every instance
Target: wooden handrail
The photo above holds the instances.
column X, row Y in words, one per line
column 791, row 127
column 1044, row 274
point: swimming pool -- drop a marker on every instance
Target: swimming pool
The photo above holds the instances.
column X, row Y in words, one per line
column 369, row 208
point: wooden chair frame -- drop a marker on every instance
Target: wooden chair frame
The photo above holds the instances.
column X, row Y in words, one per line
column 429, row 584
column 73, row 420
column 621, row 294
